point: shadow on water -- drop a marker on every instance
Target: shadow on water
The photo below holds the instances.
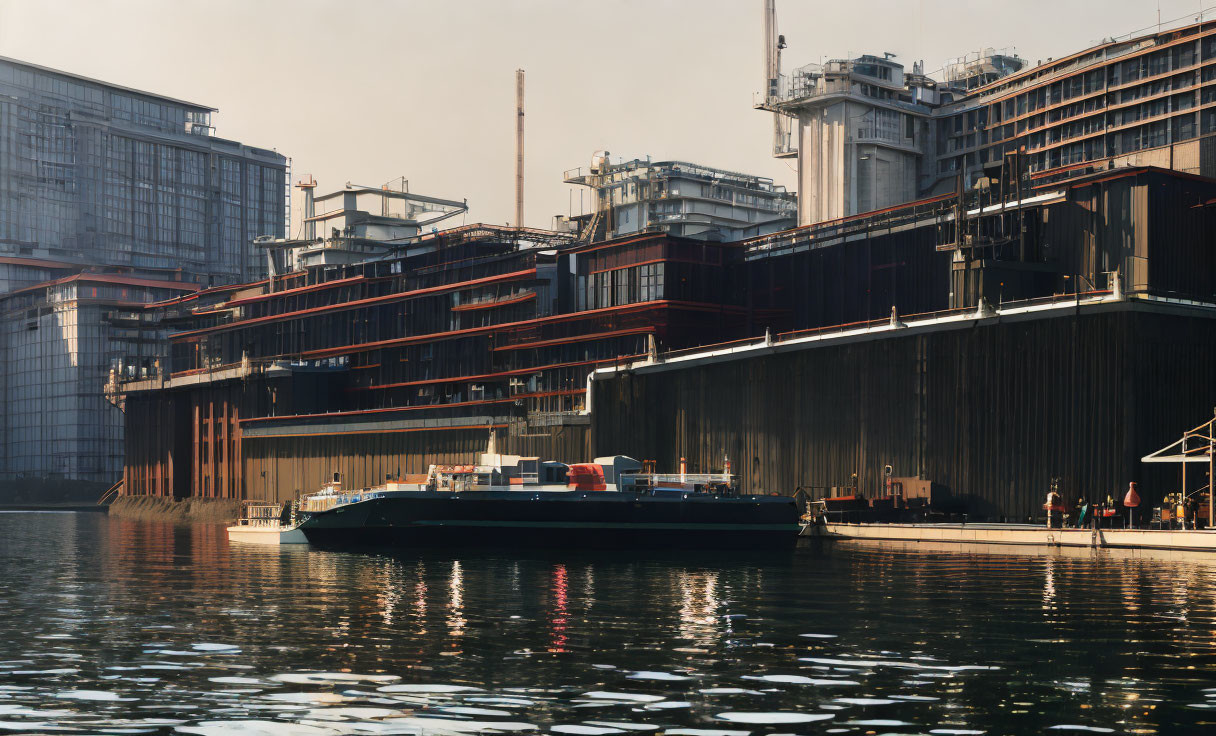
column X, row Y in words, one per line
column 120, row 626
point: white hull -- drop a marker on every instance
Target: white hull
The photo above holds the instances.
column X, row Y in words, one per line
column 266, row 535
column 1023, row 534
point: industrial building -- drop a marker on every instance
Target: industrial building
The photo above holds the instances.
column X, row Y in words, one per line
column 862, row 127
column 1021, row 335
column 869, row 135
column 411, row 354
column 679, row 198
column 993, row 326
column 110, row 197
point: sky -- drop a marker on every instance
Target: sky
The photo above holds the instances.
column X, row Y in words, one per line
column 369, row 91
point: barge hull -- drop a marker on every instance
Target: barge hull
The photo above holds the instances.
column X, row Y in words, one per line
column 608, row 519
column 456, row 534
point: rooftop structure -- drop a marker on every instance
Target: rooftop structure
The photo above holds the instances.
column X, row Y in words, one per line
column 358, row 223
column 682, row 199
column 870, row 136
column 861, row 126
column 981, row 68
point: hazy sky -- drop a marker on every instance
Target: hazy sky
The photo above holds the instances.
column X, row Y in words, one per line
column 371, row 90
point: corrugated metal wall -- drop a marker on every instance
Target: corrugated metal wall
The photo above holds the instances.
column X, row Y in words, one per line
column 991, row 412
column 856, row 281
column 151, row 456
column 191, row 443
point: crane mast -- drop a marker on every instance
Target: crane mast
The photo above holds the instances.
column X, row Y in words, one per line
column 773, row 44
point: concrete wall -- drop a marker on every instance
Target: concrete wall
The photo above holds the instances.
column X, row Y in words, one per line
column 844, row 168
column 823, row 177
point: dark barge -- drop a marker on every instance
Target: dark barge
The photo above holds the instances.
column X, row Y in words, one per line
column 512, row 501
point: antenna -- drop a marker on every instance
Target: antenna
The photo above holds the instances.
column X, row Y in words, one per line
column 519, row 148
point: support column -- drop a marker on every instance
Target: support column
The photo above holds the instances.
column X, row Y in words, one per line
column 1184, row 439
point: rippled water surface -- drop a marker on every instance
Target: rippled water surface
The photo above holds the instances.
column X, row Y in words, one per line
column 112, row 626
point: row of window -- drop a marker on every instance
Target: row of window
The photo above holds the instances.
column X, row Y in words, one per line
column 624, row 286
column 1153, row 135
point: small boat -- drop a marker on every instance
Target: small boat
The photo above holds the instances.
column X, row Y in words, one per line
column 517, row 501
column 262, row 523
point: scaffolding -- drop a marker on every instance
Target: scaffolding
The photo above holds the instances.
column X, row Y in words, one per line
column 1197, row 445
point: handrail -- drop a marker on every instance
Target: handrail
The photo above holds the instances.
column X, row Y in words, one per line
column 783, row 337
column 111, row 493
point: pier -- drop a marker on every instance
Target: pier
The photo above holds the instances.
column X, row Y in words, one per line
column 1024, row 535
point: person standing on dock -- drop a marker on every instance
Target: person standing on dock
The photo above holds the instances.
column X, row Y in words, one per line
column 1082, row 512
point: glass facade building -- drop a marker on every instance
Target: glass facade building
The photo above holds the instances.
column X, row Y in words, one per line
column 61, row 340
column 109, row 197
column 96, row 174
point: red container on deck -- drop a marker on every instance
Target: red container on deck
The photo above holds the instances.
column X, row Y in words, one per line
column 586, row 477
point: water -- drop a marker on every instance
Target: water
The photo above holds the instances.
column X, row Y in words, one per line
column 114, row 627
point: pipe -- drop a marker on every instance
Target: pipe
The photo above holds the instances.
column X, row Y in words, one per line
column 587, row 401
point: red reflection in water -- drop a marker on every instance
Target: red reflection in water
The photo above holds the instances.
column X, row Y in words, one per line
column 561, row 592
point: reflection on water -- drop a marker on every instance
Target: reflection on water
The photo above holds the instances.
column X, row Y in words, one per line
column 699, row 606
column 127, row 627
column 456, row 620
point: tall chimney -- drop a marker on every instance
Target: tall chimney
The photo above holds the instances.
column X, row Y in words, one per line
column 519, row 148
